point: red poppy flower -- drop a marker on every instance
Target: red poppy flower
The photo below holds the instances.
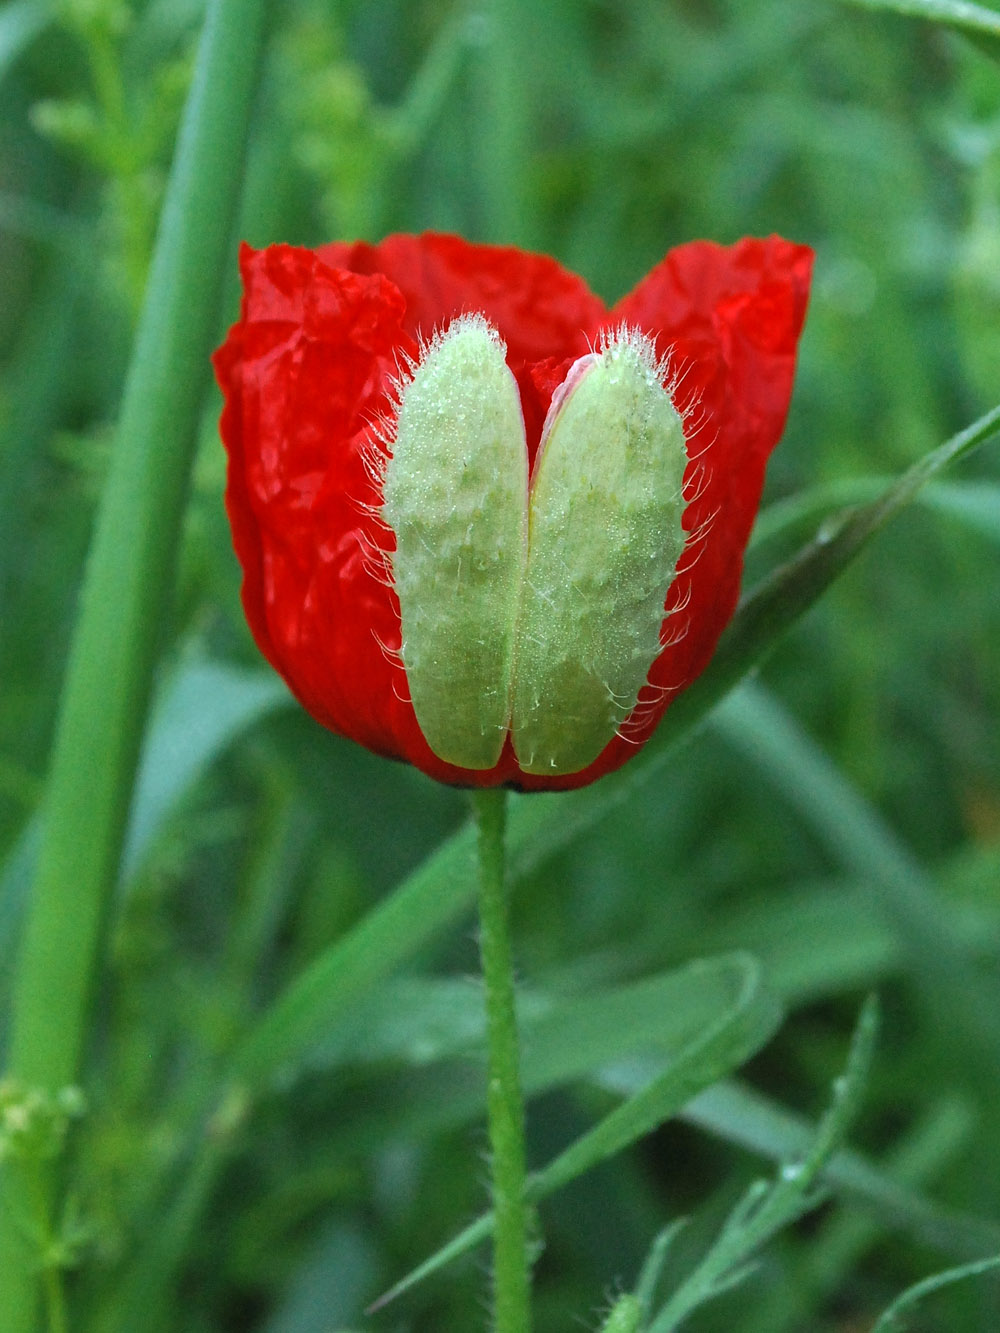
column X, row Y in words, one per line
column 310, row 377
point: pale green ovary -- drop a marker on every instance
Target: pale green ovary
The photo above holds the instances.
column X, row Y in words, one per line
column 455, row 495
column 604, row 540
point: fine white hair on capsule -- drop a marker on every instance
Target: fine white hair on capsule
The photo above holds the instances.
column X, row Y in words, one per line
column 613, row 338
column 377, row 564
column 695, row 544
column 696, row 481
column 403, row 698
column 694, row 416
column 647, row 706
column 385, row 423
column 675, row 629
column 394, row 656
column 455, row 504
column 665, row 368
column 679, row 607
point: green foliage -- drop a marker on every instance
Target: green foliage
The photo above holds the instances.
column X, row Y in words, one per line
column 766, row 1208
column 282, row 1068
column 893, row 1318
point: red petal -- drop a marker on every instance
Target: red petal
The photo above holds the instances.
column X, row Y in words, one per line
column 303, row 373
column 540, row 308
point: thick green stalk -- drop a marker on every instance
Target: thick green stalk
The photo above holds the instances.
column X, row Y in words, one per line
column 504, row 1102
column 502, row 102
column 123, row 603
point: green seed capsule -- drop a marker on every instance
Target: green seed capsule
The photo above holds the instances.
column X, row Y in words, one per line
column 455, row 495
column 539, row 616
column 604, row 538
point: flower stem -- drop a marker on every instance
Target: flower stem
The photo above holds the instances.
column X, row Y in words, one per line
column 504, row 1102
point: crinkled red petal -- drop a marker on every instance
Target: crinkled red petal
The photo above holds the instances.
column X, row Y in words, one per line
column 305, row 373
column 540, row 309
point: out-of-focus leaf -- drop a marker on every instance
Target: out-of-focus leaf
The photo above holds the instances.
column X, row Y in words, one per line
column 15, row 885
column 784, row 596
column 204, row 708
column 20, row 23
column 330, row 1285
column 892, row 1320
column 421, row 1021
column 830, row 936
column 975, row 21
column 975, row 504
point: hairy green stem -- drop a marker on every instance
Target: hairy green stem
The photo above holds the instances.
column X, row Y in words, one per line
column 504, row 1102
column 122, row 610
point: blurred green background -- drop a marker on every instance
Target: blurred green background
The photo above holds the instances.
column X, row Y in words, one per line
column 603, row 133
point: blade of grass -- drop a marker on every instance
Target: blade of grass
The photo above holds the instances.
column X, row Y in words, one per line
column 434, row 1098
column 813, row 1277
column 420, row 1021
column 892, row 1319
column 126, row 588
column 781, row 598
column 132, row 559
column 976, row 504
column 975, row 21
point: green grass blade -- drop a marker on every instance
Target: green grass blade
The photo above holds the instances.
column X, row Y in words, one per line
column 420, row 1020
column 975, row 21
column 975, row 504
column 892, row 1320
column 720, row 1047
column 126, row 589
column 131, row 564
column 744, row 1116
column 784, row 596
column 841, row 1240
